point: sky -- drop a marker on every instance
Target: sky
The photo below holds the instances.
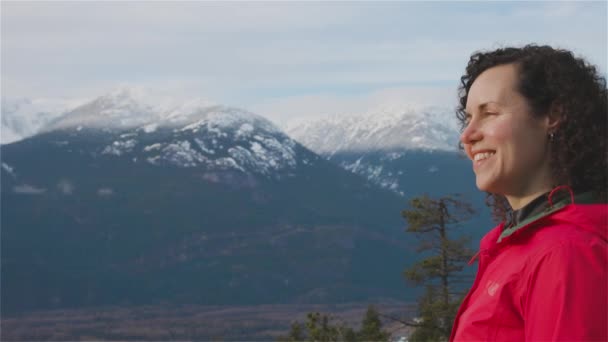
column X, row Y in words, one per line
column 283, row 59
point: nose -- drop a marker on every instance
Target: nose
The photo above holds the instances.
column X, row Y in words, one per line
column 470, row 134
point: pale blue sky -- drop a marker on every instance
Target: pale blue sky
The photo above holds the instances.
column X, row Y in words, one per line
column 280, row 59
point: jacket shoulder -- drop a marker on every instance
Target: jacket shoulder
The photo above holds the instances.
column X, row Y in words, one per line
column 573, row 226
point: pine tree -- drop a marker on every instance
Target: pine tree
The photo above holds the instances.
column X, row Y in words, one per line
column 431, row 220
column 320, row 329
column 295, row 334
column 371, row 327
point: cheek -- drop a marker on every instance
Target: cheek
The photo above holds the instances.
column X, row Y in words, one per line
column 519, row 144
column 501, row 133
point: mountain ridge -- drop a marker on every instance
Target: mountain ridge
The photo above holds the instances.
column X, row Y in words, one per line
column 146, row 214
column 125, row 107
column 386, row 130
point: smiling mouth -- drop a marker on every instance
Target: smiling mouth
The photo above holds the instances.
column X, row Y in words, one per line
column 482, row 156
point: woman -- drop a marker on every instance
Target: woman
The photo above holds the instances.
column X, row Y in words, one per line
column 534, row 125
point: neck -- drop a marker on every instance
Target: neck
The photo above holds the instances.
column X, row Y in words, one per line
column 518, row 202
column 534, row 185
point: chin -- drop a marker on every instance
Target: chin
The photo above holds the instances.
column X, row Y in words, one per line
column 487, row 186
column 482, row 186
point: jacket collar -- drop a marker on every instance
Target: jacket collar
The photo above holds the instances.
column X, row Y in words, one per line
column 581, row 210
column 537, row 206
column 550, row 208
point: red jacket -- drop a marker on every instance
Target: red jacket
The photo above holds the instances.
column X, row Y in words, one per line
column 546, row 281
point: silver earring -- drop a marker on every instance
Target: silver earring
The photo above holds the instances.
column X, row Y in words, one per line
column 551, row 136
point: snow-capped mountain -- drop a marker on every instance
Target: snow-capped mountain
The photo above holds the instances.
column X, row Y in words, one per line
column 129, row 107
column 388, row 129
column 127, row 200
column 400, row 149
column 198, row 203
column 123, row 107
column 216, row 138
column 188, row 134
column 22, row 118
column 119, row 109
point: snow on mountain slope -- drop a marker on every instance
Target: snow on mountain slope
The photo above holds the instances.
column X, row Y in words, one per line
column 128, row 124
column 216, row 138
column 388, row 146
column 24, row 117
column 192, row 133
column 123, row 107
column 386, row 129
column 128, row 107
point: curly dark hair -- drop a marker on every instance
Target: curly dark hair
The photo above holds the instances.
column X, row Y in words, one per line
column 555, row 81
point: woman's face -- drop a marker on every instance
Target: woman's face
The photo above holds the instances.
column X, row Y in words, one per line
column 506, row 143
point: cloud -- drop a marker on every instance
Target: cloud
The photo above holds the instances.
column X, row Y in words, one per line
column 551, row 9
column 185, row 18
column 27, row 189
column 282, row 110
column 255, row 52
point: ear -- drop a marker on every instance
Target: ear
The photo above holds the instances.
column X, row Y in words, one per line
column 554, row 117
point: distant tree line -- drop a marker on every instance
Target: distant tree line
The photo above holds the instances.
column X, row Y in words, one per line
column 320, row 327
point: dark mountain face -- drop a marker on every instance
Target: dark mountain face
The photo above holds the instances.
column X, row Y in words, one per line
column 411, row 173
column 97, row 217
column 408, row 151
column 205, row 205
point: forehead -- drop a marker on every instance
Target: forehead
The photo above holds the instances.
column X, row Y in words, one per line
column 497, row 84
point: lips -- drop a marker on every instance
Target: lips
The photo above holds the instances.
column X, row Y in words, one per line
column 482, row 155
column 479, row 157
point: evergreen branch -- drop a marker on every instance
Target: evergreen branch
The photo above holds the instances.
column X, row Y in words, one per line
column 409, row 324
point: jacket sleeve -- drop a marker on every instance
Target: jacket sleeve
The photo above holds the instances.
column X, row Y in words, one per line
column 566, row 298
